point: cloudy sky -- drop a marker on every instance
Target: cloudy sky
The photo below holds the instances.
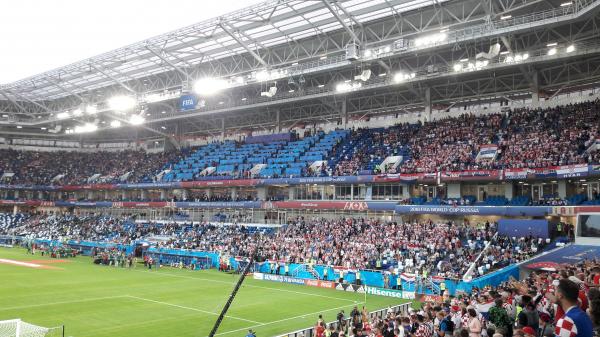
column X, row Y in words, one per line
column 39, row 35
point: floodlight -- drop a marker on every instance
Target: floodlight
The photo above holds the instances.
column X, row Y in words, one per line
column 115, row 124
column 209, row 86
column 570, row 48
column 136, row 120
column 62, row 115
column 122, row 103
column 91, row 109
column 552, row 52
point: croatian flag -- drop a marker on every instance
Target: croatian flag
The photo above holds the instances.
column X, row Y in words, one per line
column 408, row 277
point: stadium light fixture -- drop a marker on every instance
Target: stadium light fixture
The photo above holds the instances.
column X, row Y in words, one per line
column 552, row 44
column 552, row 52
column 431, row 39
column 115, row 124
column 565, row 4
column 321, row 85
column 136, row 120
column 387, row 49
column 209, row 86
column 457, row 67
column 62, row 115
column 525, row 56
column 401, row 77
column 163, row 127
column 505, row 17
column 504, row 52
column 43, row 128
column 570, row 49
column 291, row 91
column 5, row 116
column 19, row 127
column 91, row 109
column 382, row 75
column 86, row 128
column 463, row 60
column 77, row 112
column 244, row 98
column 347, row 86
column 324, row 57
column 122, row 103
column 262, row 75
column 367, row 53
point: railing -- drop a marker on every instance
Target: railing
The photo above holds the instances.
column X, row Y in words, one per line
column 310, row 332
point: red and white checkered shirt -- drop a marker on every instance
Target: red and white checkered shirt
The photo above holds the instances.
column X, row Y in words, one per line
column 424, row 330
column 565, row 327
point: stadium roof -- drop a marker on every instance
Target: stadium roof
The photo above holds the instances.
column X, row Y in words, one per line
column 305, row 40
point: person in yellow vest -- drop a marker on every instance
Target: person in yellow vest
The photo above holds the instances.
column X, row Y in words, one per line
column 286, row 268
column 378, row 264
column 398, row 282
column 358, row 278
column 341, row 276
column 325, row 273
column 442, row 288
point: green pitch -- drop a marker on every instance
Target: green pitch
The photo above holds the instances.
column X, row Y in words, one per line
column 101, row 301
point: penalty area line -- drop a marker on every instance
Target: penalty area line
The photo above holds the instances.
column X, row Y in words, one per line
column 190, row 308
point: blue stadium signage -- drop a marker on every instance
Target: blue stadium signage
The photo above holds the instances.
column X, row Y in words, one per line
column 188, row 102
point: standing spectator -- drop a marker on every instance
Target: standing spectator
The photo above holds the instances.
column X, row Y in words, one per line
column 575, row 322
column 474, row 324
column 499, row 318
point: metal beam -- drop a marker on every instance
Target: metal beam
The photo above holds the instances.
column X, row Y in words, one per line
column 30, row 101
column 61, row 87
column 241, row 43
column 13, row 101
column 341, row 21
column 168, row 62
column 123, row 85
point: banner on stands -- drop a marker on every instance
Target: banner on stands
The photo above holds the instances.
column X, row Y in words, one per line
column 407, row 295
column 469, row 175
column 350, row 287
column 320, row 284
column 571, row 171
column 474, row 210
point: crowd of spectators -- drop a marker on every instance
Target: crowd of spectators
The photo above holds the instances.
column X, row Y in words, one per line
column 562, row 303
column 550, row 137
column 532, row 138
column 73, row 167
column 425, row 248
column 452, row 144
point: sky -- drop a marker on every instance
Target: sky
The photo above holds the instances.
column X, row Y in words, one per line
column 40, row 35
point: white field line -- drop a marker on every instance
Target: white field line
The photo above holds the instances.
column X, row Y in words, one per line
column 246, row 285
column 62, row 302
column 190, row 308
column 285, row 319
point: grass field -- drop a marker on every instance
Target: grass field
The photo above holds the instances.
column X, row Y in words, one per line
column 95, row 301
